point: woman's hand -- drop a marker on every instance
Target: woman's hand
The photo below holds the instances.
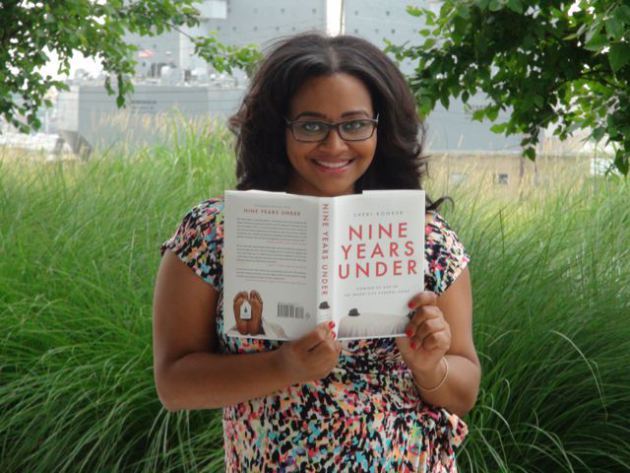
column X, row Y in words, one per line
column 311, row 357
column 428, row 335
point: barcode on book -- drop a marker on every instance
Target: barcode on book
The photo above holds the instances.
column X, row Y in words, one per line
column 290, row 311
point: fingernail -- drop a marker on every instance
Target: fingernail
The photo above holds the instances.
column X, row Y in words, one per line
column 413, row 345
column 331, row 325
column 409, row 332
column 410, row 304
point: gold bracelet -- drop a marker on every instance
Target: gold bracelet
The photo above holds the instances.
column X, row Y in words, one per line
column 442, row 381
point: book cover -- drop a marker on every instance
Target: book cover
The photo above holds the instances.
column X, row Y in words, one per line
column 292, row 262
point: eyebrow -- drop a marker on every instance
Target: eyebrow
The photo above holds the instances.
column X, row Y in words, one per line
column 321, row 115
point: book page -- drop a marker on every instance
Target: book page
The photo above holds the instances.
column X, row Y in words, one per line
column 270, row 261
column 378, row 258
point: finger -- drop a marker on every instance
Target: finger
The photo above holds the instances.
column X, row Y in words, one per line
column 437, row 341
column 426, row 312
column 314, row 337
column 325, row 350
column 420, row 316
column 422, row 298
column 432, row 341
column 429, row 326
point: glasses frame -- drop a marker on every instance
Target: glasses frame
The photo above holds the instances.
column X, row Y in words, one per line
column 329, row 127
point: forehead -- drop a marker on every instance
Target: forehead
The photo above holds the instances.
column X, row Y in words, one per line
column 331, row 96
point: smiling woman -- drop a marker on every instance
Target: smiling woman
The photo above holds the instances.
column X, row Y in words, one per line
column 331, row 165
column 323, row 117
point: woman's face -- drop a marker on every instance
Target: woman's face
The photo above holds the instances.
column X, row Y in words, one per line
column 332, row 166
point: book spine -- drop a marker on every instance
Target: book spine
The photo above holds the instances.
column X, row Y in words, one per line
column 324, row 263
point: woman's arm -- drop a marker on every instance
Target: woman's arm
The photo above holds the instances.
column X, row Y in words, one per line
column 189, row 374
column 441, row 327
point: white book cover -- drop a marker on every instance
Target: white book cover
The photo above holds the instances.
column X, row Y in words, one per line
column 292, row 262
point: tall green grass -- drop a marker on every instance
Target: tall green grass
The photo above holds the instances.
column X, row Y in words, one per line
column 78, row 257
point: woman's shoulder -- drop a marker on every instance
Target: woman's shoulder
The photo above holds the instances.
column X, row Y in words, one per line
column 201, row 225
column 435, row 223
column 445, row 254
column 207, row 211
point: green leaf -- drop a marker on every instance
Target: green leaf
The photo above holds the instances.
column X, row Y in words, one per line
column 414, row 11
column 515, row 6
column 495, row 5
column 479, row 114
column 596, row 43
column 598, row 133
column 530, row 153
column 429, row 43
column 622, row 161
column 492, row 113
column 498, row 127
column 462, row 10
column 619, row 56
column 622, row 14
column 614, row 28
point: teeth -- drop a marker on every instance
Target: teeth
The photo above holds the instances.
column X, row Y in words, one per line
column 332, row 165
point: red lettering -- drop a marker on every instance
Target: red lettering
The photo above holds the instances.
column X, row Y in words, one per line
column 361, row 251
column 377, row 251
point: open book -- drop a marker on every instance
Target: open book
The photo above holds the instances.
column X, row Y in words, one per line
column 291, row 262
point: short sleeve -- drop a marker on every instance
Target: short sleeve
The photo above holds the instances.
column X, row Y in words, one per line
column 198, row 241
column 445, row 256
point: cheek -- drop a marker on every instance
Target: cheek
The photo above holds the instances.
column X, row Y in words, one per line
column 367, row 149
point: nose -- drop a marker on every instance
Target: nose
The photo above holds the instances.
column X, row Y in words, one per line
column 333, row 141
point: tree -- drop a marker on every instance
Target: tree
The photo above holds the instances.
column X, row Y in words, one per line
column 565, row 63
column 30, row 31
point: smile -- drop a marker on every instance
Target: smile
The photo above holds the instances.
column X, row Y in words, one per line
column 333, row 165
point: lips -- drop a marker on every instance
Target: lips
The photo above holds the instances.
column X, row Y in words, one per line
column 337, row 164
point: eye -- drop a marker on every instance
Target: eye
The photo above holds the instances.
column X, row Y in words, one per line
column 310, row 127
column 354, row 125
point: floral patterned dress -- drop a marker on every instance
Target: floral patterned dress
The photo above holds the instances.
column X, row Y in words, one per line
column 367, row 415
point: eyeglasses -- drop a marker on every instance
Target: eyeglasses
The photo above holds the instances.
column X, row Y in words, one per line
column 312, row 131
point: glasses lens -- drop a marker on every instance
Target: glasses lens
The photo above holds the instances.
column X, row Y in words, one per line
column 309, row 130
column 356, row 129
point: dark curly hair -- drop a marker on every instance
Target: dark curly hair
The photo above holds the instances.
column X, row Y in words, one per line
column 259, row 124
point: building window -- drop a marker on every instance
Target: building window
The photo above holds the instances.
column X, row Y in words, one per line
column 501, row 178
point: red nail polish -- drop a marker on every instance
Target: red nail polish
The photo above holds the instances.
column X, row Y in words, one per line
column 413, row 345
column 409, row 332
column 410, row 304
column 331, row 325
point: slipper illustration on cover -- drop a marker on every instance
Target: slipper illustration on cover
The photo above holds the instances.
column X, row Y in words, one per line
column 361, row 325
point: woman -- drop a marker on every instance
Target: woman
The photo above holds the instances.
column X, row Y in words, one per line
column 323, row 116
